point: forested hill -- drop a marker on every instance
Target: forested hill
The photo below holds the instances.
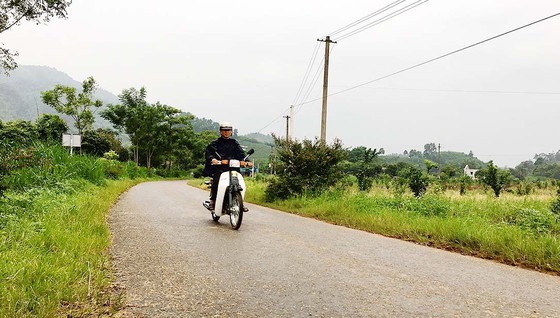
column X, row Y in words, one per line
column 20, row 92
column 20, row 99
column 453, row 158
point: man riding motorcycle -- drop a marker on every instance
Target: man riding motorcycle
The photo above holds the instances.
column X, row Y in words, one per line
column 227, row 148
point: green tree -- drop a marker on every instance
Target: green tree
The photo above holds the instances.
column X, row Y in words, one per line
column 523, row 170
column 414, row 153
column 430, row 149
column 185, row 147
column 128, row 116
column 417, row 181
column 161, row 127
column 14, row 12
column 78, row 106
column 547, row 170
column 450, row 171
column 362, row 154
column 430, row 165
column 159, row 132
column 464, row 182
column 495, row 178
column 363, row 166
column 394, row 170
column 99, row 141
column 51, row 127
column 305, row 167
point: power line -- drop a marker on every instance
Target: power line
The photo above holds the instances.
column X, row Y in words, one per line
column 381, row 20
column 467, row 91
column 367, row 17
column 308, row 92
column 315, row 79
column 306, row 76
column 273, row 121
column 436, row 58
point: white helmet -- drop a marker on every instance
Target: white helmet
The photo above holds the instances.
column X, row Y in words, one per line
column 225, row 126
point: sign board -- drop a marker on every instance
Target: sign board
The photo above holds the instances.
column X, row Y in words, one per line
column 71, row 140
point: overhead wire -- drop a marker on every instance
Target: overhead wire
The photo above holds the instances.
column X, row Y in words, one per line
column 367, row 17
column 381, row 20
column 274, row 120
column 468, row 91
column 306, row 75
column 437, row 58
column 309, row 89
column 315, row 79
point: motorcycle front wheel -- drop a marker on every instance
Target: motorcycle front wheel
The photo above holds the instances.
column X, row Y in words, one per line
column 236, row 210
column 215, row 217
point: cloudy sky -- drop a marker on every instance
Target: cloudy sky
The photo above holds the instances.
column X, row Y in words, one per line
column 245, row 61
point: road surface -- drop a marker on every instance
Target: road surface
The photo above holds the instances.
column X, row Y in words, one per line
column 174, row 261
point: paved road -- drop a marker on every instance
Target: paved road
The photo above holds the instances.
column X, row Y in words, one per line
column 175, row 262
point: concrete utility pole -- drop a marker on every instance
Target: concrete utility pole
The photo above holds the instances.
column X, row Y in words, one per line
column 287, row 127
column 328, row 42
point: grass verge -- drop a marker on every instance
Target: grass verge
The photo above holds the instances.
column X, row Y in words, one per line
column 54, row 252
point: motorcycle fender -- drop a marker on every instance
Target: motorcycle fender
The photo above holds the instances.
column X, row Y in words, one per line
column 223, row 183
column 241, row 183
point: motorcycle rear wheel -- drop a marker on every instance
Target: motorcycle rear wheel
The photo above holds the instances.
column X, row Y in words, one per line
column 236, row 210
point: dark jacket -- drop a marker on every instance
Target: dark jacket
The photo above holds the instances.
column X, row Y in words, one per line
column 227, row 148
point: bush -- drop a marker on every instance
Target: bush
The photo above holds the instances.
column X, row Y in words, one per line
column 464, row 182
column 417, row 181
column 51, row 127
column 524, row 188
column 277, row 190
column 309, row 167
column 111, row 155
column 198, row 171
column 495, row 178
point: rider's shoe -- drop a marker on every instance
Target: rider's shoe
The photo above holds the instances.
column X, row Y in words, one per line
column 245, row 209
column 209, row 204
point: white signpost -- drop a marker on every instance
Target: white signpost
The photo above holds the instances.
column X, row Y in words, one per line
column 71, row 140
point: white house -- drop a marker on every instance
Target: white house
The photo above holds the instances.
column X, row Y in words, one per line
column 470, row 172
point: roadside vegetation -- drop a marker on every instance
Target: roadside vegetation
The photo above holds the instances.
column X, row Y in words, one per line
column 514, row 229
column 498, row 216
column 54, row 235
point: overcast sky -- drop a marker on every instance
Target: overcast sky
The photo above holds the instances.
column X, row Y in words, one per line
column 244, row 62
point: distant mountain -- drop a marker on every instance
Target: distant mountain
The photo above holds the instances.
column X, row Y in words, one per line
column 266, row 139
column 20, row 93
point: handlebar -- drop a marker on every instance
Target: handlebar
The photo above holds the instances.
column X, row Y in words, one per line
column 226, row 162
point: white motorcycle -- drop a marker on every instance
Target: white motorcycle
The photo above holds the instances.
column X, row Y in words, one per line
column 231, row 192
